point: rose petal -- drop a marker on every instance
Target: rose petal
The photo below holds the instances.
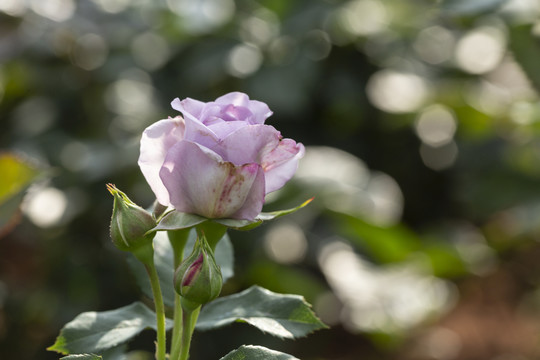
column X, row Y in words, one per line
column 200, row 134
column 190, row 108
column 225, row 128
column 156, row 140
column 198, row 183
column 248, row 144
column 235, row 98
column 260, row 111
column 281, row 163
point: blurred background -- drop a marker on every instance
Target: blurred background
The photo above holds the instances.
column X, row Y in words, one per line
column 422, row 125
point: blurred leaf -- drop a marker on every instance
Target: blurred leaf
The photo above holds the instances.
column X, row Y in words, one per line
column 17, row 176
column 271, row 275
column 386, row 244
column 163, row 258
column 471, row 7
column 99, row 331
column 473, row 123
column 526, row 49
column 251, row 352
column 445, row 260
column 285, row 316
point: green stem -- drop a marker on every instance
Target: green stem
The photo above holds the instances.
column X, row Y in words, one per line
column 191, row 313
column 178, row 240
column 213, row 232
column 160, row 311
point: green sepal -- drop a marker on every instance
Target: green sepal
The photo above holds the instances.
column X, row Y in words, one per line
column 262, row 217
column 129, row 226
column 175, row 220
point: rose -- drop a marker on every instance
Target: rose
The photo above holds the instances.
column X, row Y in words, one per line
column 220, row 160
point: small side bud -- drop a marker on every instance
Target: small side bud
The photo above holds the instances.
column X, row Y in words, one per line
column 129, row 224
column 198, row 278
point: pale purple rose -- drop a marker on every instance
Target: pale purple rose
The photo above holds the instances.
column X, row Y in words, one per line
column 220, row 160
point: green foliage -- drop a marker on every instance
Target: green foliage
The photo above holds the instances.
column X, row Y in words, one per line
column 97, row 332
column 251, row 352
column 285, row 316
column 82, row 357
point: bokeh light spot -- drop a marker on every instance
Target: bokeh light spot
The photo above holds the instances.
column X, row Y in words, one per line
column 204, row 15
column 436, row 125
column 480, row 50
column 45, row 207
column 150, row 50
column 34, row 116
column 439, row 157
column 90, row 52
column 112, row 6
column 363, row 17
column 56, row 10
column 396, row 92
column 285, row 243
column 434, row 44
column 13, row 7
column 244, row 60
column 317, row 45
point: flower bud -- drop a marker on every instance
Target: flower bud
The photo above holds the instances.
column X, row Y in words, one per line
column 198, row 278
column 129, row 223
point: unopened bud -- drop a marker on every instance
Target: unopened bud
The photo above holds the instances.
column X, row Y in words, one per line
column 198, row 278
column 129, row 223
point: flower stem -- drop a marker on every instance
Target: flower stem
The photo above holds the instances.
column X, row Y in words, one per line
column 190, row 315
column 178, row 240
column 160, row 311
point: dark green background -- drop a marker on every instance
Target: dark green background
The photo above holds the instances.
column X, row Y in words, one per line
column 80, row 82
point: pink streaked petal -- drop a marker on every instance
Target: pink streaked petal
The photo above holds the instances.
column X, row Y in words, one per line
column 199, row 184
column 156, row 141
column 281, row 163
column 255, row 199
column 249, row 143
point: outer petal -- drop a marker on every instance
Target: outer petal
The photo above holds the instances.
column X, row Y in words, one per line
column 281, row 163
column 156, row 141
column 198, row 182
column 249, row 143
